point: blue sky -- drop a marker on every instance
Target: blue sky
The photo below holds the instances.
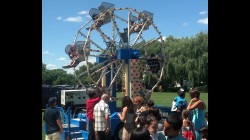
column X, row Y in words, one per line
column 61, row 19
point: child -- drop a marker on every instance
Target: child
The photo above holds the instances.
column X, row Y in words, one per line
column 204, row 132
column 73, row 54
column 187, row 129
column 152, row 126
column 179, row 103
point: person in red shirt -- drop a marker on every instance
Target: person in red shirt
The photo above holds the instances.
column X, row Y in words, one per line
column 94, row 97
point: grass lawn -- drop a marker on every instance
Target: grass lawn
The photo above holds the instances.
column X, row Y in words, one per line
column 163, row 98
column 166, row 98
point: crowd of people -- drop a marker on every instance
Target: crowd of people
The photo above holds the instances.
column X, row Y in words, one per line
column 187, row 121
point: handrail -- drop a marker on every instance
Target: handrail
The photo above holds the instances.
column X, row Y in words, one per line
column 69, row 130
column 65, row 117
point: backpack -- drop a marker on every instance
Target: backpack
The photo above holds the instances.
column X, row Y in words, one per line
column 189, row 135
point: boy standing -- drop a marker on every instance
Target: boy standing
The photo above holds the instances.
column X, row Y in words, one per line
column 179, row 103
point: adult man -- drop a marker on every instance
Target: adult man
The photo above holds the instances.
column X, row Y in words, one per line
column 171, row 129
column 52, row 119
column 94, row 97
column 102, row 120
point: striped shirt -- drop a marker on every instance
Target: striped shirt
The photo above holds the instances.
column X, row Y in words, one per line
column 100, row 110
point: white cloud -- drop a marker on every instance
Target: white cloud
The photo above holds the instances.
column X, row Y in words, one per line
column 163, row 38
column 69, row 71
column 184, row 24
column 74, row 19
column 83, row 12
column 203, row 21
column 62, row 59
column 88, row 16
column 203, row 12
column 45, row 52
column 51, row 66
column 59, row 18
column 92, row 60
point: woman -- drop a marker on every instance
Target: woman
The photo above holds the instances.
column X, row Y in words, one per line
column 128, row 117
column 198, row 106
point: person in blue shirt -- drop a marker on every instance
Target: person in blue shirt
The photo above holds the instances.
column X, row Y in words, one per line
column 179, row 103
column 52, row 119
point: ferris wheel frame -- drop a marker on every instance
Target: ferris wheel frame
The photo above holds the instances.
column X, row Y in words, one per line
column 119, row 46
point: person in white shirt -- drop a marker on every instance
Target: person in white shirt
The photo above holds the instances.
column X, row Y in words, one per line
column 102, row 120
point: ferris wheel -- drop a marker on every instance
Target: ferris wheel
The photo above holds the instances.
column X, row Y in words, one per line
column 125, row 44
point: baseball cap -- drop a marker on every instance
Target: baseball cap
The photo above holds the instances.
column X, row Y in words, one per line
column 52, row 100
